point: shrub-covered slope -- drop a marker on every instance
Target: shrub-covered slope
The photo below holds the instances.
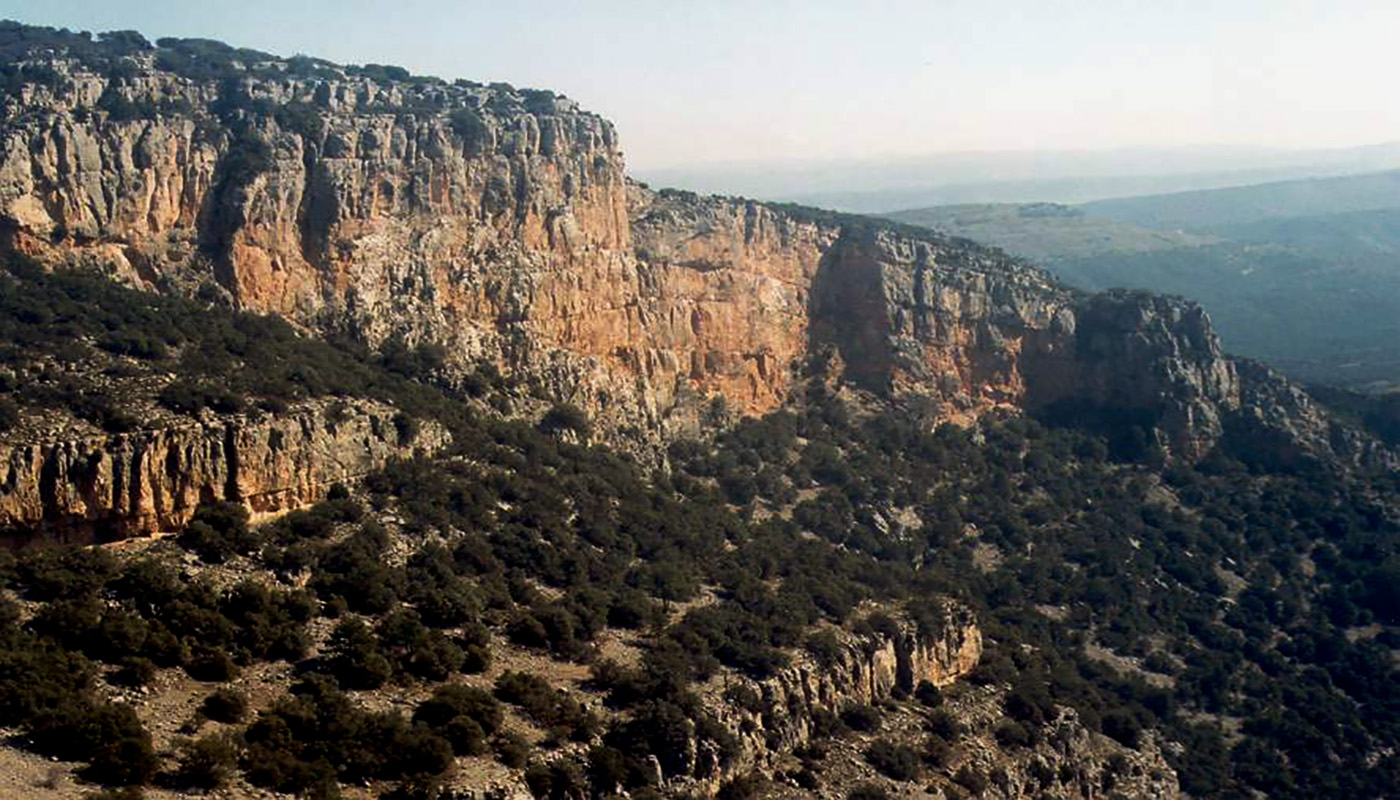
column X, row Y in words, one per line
column 416, row 632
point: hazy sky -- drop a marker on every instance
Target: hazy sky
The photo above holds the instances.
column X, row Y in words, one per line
column 715, row 80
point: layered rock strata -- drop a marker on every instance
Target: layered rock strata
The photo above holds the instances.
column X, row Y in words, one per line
column 118, row 485
column 499, row 223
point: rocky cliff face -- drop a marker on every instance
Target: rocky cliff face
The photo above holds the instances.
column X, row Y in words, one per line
column 500, row 224
column 113, row 486
column 860, row 672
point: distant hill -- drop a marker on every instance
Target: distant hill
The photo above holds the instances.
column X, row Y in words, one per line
column 1302, row 274
column 1047, row 232
column 1209, row 209
column 874, row 186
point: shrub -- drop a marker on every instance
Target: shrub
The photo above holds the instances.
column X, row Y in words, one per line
column 124, row 793
column 64, row 573
column 545, row 705
column 134, row 672
column 224, row 705
column 824, row 647
column 472, row 129
column 512, row 750
column 466, row 736
column 928, row 695
column 862, row 718
column 464, row 716
column 190, row 398
column 1123, row 727
column 9, row 414
column 944, row 724
column 1011, row 733
column 868, row 791
column 211, row 664
column 109, row 737
column 608, row 769
column 218, row 532
column 560, row 779
column 743, row 787
column 406, row 427
column 894, row 760
column 415, row 650
column 565, row 417
column 354, row 657
column 971, row 779
column 205, row 763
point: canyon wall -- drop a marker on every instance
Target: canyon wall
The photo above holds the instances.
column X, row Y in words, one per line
column 117, row 485
column 499, row 223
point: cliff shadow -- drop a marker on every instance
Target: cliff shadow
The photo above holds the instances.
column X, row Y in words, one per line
column 848, row 317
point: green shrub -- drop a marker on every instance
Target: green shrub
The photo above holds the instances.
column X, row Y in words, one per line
column 863, row 718
column 354, row 658
column 868, row 791
column 207, row 762
column 109, row 737
column 219, row 531
column 971, row 779
column 1011, row 733
column 211, row 664
column 472, row 129
column 894, row 760
column 454, row 700
column 928, row 695
column 545, row 705
column 134, row 672
column 565, row 417
column 224, row 705
column 512, row 750
column 942, row 723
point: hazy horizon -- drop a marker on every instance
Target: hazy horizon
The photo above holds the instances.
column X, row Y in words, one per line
column 719, row 83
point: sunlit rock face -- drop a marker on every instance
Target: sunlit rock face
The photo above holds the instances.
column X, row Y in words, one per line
column 111, row 486
column 499, row 223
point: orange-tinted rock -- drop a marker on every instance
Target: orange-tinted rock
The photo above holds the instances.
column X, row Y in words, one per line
column 369, row 208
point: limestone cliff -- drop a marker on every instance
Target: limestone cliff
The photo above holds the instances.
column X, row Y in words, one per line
column 499, row 223
column 117, row 485
column 781, row 715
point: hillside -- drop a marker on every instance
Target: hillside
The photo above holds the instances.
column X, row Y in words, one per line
column 1303, row 275
column 1048, row 233
column 1206, row 209
column 366, row 435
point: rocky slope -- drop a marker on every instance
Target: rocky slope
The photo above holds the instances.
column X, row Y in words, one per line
column 1066, row 761
column 500, row 223
column 859, row 672
column 118, row 485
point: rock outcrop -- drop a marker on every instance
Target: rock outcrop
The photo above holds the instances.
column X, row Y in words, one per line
column 118, row 485
column 781, row 714
column 499, row 223
column 1066, row 759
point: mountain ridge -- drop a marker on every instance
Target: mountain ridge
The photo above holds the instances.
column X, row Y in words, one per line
column 570, row 488
column 499, row 224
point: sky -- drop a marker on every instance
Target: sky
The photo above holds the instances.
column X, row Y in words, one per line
column 720, row 81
